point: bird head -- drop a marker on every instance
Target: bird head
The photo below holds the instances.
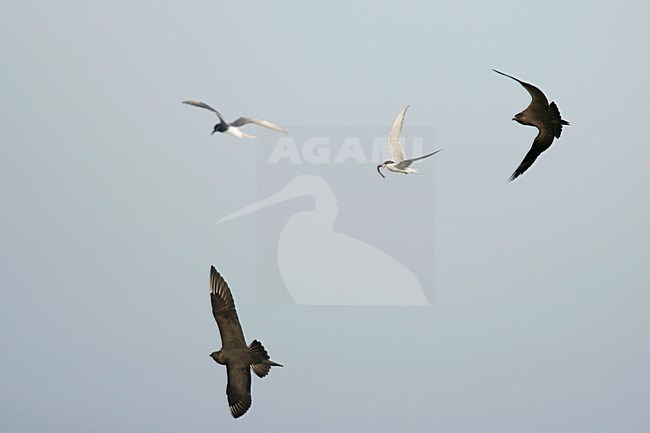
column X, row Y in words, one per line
column 380, row 166
column 218, row 357
column 519, row 117
column 216, row 128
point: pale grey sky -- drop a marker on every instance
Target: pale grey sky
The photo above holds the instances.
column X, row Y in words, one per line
column 110, row 189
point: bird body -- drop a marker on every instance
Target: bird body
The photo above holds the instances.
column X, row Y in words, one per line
column 238, row 358
column 233, row 128
column 399, row 164
column 404, row 166
column 543, row 116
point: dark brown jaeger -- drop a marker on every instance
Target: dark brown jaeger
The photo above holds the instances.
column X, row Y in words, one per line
column 543, row 116
column 238, row 358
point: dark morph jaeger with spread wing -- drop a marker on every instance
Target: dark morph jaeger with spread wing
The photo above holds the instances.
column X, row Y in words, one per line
column 543, row 116
column 238, row 358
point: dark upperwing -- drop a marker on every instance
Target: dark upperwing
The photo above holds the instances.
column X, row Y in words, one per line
column 539, row 102
column 223, row 310
column 540, row 144
column 238, row 389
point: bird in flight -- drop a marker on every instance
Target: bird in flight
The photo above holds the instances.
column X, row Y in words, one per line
column 398, row 164
column 233, row 128
column 543, row 116
column 238, row 358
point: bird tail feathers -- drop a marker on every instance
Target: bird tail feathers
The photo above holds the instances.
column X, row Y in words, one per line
column 238, row 133
column 263, row 367
column 557, row 120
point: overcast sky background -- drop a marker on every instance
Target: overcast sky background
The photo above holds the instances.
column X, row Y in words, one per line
column 110, row 189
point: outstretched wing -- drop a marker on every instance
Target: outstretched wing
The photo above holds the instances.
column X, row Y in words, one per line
column 246, row 120
column 223, row 310
column 540, row 144
column 206, row 106
column 539, row 102
column 394, row 146
column 238, row 389
column 407, row 162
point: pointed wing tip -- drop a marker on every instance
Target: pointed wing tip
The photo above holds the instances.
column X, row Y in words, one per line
column 515, row 175
column 216, row 280
column 222, row 299
column 240, row 408
column 214, row 277
column 509, row 76
column 279, row 129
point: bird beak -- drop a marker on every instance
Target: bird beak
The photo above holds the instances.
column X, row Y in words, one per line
column 514, row 118
column 379, row 167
